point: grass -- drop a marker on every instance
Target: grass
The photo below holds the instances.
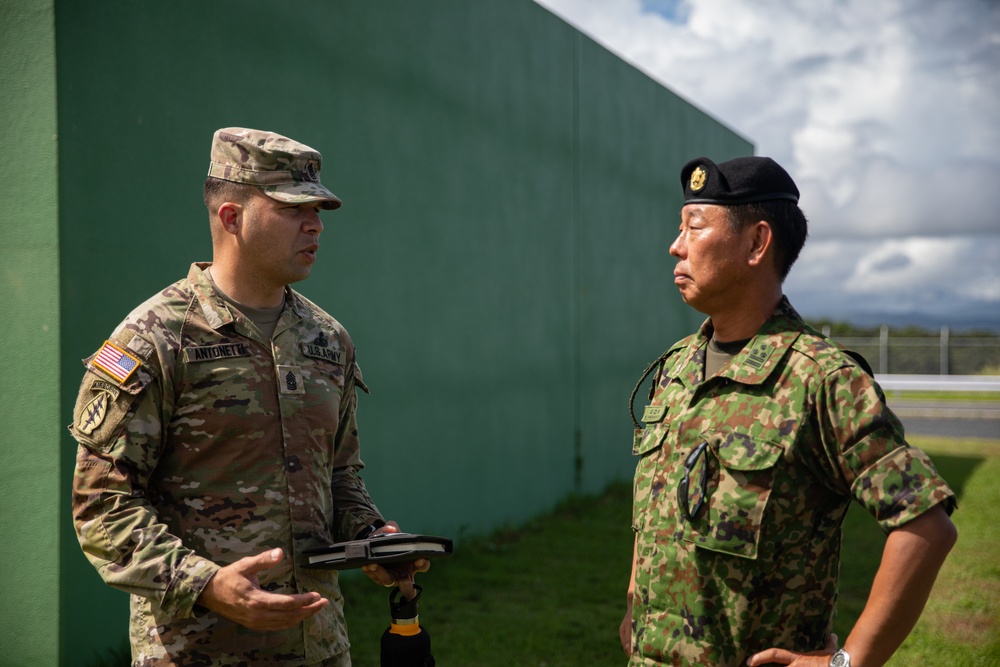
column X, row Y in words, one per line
column 552, row 592
column 938, row 396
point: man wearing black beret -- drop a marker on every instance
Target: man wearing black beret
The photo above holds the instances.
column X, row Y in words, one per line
column 758, row 434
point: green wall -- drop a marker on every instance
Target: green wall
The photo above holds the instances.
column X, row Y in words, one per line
column 31, row 428
column 501, row 260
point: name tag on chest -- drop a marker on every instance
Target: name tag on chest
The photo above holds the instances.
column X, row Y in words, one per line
column 654, row 413
column 332, row 354
column 221, row 351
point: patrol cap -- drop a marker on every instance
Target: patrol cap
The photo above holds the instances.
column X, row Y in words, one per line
column 282, row 168
column 740, row 181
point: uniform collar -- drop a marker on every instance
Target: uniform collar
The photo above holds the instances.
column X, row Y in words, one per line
column 759, row 357
column 217, row 310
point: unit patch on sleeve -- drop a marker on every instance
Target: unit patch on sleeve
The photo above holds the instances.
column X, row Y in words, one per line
column 220, row 351
column 115, row 361
column 319, row 348
column 96, row 410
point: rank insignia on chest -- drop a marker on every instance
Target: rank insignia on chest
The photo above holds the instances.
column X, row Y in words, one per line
column 290, row 380
column 758, row 355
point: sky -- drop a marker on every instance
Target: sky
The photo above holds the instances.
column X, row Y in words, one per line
column 885, row 112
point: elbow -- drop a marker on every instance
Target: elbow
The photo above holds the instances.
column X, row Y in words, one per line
column 941, row 531
column 949, row 535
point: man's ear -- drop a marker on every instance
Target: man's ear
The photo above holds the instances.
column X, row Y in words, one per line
column 231, row 216
column 762, row 236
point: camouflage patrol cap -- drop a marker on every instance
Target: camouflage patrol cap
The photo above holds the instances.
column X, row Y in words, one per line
column 282, row 168
column 740, row 181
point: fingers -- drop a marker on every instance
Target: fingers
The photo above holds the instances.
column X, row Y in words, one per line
column 775, row 655
column 398, row 574
column 235, row 594
column 389, row 527
column 262, row 561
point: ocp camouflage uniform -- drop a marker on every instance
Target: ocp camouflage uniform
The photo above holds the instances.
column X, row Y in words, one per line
column 793, row 429
column 203, row 443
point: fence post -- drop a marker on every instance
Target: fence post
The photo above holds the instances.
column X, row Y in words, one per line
column 883, row 350
column 944, row 350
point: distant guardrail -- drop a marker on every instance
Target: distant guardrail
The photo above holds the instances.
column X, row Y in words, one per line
column 898, row 382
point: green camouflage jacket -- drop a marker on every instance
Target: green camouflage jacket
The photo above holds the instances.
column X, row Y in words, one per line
column 742, row 484
column 202, row 443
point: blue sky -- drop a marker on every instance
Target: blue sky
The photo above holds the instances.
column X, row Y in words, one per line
column 884, row 112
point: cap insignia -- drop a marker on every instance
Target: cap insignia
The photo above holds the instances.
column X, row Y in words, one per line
column 698, row 178
column 312, row 174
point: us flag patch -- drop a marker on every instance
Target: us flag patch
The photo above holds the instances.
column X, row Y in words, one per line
column 115, row 361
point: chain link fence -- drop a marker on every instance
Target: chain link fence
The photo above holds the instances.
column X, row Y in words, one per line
column 945, row 354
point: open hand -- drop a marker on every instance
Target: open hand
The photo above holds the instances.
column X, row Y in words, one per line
column 235, row 593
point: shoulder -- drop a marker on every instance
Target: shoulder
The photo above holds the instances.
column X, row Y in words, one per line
column 161, row 316
column 317, row 318
column 150, row 333
column 821, row 355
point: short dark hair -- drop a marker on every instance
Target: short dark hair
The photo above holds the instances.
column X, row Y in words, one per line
column 217, row 190
column 788, row 224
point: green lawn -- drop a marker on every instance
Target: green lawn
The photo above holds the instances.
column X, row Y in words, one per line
column 552, row 592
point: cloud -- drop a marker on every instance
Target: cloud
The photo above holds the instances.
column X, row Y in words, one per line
column 897, row 276
column 884, row 112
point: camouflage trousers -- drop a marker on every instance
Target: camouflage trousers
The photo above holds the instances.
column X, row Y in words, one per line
column 342, row 660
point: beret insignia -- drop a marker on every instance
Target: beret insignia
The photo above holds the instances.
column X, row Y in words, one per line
column 698, row 177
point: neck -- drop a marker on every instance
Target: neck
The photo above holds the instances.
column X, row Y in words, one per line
column 247, row 290
column 744, row 320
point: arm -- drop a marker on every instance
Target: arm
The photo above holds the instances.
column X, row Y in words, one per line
column 913, row 554
column 625, row 629
column 117, row 525
column 355, row 514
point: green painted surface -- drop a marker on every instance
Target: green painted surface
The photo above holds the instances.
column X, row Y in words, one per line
column 30, row 422
column 500, row 259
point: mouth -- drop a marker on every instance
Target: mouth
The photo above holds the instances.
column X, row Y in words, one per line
column 680, row 278
column 310, row 252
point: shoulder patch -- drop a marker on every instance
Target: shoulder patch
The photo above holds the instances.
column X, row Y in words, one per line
column 319, row 348
column 115, row 361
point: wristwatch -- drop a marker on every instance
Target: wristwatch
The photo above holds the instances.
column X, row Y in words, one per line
column 840, row 659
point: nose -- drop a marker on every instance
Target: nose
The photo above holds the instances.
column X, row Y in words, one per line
column 312, row 224
column 677, row 247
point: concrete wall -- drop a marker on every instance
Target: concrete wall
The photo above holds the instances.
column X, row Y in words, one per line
column 501, row 259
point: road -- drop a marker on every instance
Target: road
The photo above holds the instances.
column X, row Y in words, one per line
column 961, row 419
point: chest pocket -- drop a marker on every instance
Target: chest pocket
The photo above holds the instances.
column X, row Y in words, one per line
column 728, row 487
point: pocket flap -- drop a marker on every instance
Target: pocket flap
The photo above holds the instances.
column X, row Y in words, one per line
column 739, row 451
column 646, row 440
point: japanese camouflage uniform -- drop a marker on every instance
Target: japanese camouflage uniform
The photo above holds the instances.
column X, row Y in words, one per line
column 201, row 443
column 786, row 435
column 742, row 483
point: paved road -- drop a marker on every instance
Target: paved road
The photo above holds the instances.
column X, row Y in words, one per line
column 962, row 419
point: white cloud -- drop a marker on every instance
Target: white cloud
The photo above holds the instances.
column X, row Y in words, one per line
column 884, row 112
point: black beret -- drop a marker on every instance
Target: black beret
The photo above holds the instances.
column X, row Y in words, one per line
column 740, row 181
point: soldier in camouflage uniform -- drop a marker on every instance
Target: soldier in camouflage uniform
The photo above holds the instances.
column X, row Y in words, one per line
column 758, row 434
column 218, row 437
